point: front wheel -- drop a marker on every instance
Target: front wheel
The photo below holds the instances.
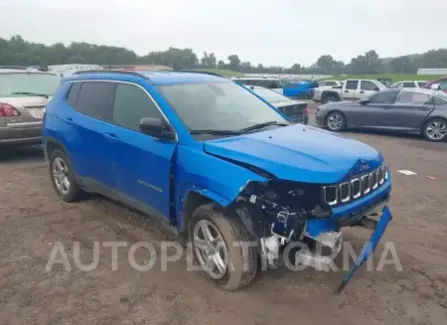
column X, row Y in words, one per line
column 335, row 121
column 222, row 247
column 435, row 130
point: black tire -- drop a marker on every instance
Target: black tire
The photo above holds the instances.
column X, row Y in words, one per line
column 74, row 192
column 430, row 136
column 339, row 116
column 232, row 230
column 329, row 98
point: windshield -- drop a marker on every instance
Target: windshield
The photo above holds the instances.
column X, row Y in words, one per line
column 218, row 106
column 38, row 83
column 270, row 95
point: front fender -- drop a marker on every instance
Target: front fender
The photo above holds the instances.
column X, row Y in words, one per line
column 217, row 179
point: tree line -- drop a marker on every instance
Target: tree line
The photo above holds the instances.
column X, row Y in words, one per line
column 17, row 51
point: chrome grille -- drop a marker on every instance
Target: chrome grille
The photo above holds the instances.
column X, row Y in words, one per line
column 355, row 188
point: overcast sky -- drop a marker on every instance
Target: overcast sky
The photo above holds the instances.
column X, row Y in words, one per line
column 272, row 32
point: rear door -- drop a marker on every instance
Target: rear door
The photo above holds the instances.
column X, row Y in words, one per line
column 143, row 163
column 90, row 145
column 373, row 113
column 350, row 89
column 410, row 109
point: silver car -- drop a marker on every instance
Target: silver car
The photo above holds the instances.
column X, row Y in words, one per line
column 23, row 97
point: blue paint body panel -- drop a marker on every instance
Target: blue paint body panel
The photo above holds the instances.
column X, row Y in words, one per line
column 297, row 89
column 141, row 167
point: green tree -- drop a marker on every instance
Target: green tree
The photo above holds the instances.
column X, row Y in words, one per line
column 234, row 62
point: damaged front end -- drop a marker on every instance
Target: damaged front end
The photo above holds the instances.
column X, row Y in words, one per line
column 279, row 212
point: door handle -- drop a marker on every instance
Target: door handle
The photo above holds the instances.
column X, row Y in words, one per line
column 111, row 137
column 346, row 91
column 361, row 91
column 68, row 120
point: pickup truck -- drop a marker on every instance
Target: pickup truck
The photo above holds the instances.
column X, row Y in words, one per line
column 351, row 89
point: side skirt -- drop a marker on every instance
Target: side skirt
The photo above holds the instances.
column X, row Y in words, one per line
column 92, row 186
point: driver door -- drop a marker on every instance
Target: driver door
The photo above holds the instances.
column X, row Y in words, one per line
column 143, row 163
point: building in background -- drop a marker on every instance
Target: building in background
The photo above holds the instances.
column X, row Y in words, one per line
column 437, row 71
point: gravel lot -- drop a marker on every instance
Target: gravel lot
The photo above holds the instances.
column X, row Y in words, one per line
column 32, row 219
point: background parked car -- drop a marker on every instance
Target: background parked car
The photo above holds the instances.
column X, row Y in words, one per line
column 409, row 84
column 437, row 84
column 23, row 97
column 329, row 83
column 386, row 81
column 270, row 83
column 418, row 111
column 300, row 89
column 297, row 111
column 352, row 89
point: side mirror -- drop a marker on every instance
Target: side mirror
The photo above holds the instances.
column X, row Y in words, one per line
column 156, row 128
column 364, row 101
column 435, row 87
column 377, row 89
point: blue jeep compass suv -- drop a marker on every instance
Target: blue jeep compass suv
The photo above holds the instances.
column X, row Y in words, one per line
column 220, row 165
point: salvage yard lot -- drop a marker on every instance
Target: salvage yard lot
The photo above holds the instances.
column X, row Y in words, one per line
column 32, row 219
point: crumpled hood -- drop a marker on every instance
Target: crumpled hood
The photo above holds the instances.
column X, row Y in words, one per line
column 298, row 153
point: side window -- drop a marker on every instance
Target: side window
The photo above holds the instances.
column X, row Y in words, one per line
column 385, row 97
column 264, row 83
column 421, row 84
column 397, row 85
column 131, row 105
column 273, row 84
column 440, row 101
column 95, row 99
column 248, row 82
column 408, row 85
column 368, row 85
column 443, row 84
column 73, row 93
column 351, row 84
column 414, row 98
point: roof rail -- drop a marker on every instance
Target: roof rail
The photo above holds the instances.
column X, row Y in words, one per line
column 111, row 71
column 203, row 72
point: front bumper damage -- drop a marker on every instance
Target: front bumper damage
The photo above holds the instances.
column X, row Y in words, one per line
column 377, row 219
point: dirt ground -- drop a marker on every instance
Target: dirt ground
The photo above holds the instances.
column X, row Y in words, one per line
column 33, row 219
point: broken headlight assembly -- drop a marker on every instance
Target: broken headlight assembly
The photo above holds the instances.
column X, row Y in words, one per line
column 281, row 208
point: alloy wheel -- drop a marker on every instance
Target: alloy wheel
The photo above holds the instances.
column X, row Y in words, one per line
column 335, row 121
column 210, row 249
column 436, row 130
column 61, row 176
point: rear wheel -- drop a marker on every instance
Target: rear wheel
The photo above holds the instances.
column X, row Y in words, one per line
column 335, row 121
column 62, row 177
column 221, row 246
column 435, row 130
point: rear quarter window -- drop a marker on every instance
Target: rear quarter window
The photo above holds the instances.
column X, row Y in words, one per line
column 73, row 93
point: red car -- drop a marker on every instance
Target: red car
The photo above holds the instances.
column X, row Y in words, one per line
column 442, row 82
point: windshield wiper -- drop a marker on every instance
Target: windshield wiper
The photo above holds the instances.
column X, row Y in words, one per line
column 262, row 125
column 216, row 132
column 30, row 94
